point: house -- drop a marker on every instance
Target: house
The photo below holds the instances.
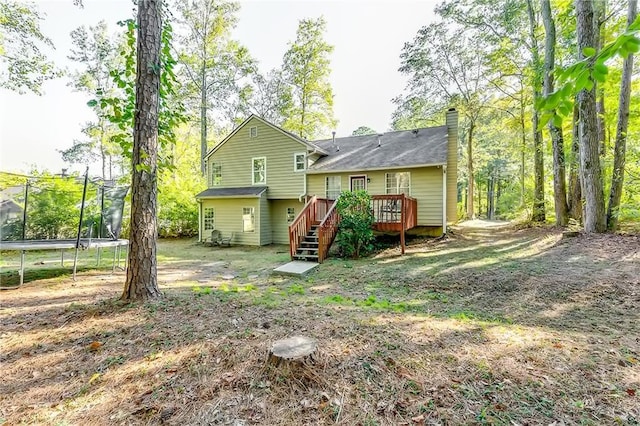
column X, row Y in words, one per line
column 261, row 178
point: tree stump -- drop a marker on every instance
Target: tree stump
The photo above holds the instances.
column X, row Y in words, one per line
column 293, row 348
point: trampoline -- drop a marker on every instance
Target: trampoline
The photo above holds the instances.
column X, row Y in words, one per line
column 110, row 201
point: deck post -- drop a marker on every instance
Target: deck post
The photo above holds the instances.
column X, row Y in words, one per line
column 402, row 220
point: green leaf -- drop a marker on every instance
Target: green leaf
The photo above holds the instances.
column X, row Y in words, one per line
column 632, row 46
column 589, row 85
column 588, row 52
column 92, row 103
column 557, row 121
column 601, row 68
column 600, row 78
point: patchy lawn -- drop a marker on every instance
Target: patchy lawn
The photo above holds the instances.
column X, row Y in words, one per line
column 492, row 325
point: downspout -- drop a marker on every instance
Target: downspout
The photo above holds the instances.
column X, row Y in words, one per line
column 444, row 200
column 199, row 220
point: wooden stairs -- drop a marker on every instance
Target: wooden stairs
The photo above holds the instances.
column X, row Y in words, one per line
column 308, row 248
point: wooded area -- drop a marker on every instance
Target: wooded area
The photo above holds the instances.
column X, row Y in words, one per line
column 545, row 91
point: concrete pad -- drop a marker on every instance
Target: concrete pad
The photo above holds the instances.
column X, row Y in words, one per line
column 297, row 268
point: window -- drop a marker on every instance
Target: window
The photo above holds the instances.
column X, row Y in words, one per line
column 248, row 219
column 253, row 132
column 398, row 183
column 291, row 214
column 209, row 219
column 333, row 187
column 259, row 170
column 216, row 174
column 299, row 162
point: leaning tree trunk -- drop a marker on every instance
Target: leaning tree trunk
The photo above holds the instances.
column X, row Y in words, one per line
column 599, row 12
column 575, row 186
column 538, row 155
column 559, row 183
column 620, row 148
column 142, row 280
column 203, row 120
column 594, row 218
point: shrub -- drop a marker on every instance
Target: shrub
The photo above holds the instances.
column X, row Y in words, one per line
column 355, row 233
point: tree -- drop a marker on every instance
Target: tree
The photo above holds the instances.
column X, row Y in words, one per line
column 306, row 69
column 619, row 155
column 538, row 154
column 590, row 171
column 25, row 66
column 555, row 126
column 271, row 97
column 213, row 63
column 142, row 280
column 363, row 130
column 97, row 52
column 446, row 66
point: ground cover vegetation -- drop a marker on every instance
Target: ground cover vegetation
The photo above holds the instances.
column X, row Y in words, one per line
column 490, row 326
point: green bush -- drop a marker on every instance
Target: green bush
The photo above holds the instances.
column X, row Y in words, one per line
column 355, row 233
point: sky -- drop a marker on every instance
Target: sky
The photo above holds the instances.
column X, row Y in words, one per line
column 367, row 35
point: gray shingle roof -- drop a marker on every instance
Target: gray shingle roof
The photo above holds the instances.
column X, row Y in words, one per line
column 247, row 191
column 405, row 148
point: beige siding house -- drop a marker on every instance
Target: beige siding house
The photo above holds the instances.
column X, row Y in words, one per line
column 260, row 176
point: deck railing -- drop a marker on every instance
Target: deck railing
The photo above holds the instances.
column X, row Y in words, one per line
column 396, row 210
column 313, row 212
column 327, row 232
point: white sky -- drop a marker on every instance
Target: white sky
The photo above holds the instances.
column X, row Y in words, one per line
column 367, row 36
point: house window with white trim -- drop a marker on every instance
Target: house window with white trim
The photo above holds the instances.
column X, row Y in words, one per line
column 216, row 174
column 299, row 162
column 398, row 183
column 333, row 187
column 209, row 219
column 259, row 171
column 253, row 132
column 291, row 214
column 248, row 219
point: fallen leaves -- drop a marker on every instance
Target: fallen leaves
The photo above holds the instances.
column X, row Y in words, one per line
column 94, row 346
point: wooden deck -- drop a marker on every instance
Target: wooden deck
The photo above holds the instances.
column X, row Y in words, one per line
column 391, row 212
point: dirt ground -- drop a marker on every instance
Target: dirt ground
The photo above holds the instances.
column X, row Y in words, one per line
column 492, row 325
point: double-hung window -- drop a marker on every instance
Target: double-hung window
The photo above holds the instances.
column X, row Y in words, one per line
column 333, row 187
column 248, row 219
column 398, row 183
column 299, row 162
column 209, row 219
column 216, row 174
column 259, row 171
column 291, row 214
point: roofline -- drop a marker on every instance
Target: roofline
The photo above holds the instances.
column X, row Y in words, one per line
column 273, row 126
column 371, row 169
column 228, row 196
column 376, row 134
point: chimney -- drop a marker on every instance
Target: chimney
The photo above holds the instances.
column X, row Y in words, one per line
column 379, row 139
column 452, row 164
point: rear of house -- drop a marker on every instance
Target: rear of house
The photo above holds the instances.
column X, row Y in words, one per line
column 256, row 184
column 260, row 176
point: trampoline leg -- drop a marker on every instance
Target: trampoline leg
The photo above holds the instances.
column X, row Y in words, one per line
column 99, row 252
column 113, row 267
column 62, row 258
column 75, row 264
column 22, row 267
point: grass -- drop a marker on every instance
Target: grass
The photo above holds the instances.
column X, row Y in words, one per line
column 491, row 326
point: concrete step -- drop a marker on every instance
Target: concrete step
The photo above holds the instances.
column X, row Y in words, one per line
column 307, row 257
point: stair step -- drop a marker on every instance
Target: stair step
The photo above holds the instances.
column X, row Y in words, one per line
column 306, row 257
column 300, row 249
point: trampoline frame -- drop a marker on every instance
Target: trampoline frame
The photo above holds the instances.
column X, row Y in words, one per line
column 27, row 245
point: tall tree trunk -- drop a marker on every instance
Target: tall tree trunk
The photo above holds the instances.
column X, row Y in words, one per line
column 203, row 120
column 470, row 192
column 142, row 279
column 620, row 147
column 538, row 156
column 591, row 174
column 523, row 149
column 599, row 12
column 575, row 187
column 559, row 183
